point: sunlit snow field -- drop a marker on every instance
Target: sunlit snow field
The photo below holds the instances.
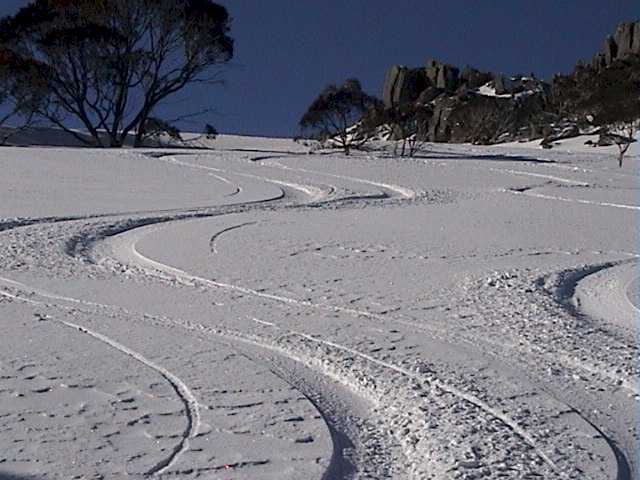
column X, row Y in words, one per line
column 257, row 312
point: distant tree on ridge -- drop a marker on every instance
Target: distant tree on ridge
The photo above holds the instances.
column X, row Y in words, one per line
column 333, row 116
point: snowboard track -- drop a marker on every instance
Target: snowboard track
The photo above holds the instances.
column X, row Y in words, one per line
column 80, row 247
column 340, row 466
column 181, row 389
column 153, row 268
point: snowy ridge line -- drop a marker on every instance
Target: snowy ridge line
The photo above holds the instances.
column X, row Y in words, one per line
column 464, row 396
column 189, row 401
column 214, row 238
column 570, row 200
column 541, row 175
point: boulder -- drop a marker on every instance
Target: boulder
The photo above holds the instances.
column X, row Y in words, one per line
column 442, row 75
column 624, row 43
column 610, row 50
column 599, row 61
column 474, row 78
column 415, row 83
column 503, row 85
column 429, row 94
column 561, row 132
column 439, row 127
column 390, row 83
column 624, row 38
column 635, row 45
column 403, row 85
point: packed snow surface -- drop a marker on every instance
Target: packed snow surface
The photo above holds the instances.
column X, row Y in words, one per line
column 255, row 312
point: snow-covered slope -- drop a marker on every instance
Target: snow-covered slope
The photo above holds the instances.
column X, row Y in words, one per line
column 255, row 312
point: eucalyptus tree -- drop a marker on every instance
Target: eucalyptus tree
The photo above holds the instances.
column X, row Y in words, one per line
column 107, row 64
column 334, row 114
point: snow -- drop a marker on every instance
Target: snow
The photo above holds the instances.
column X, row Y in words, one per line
column 254, row 311
column 488, row 90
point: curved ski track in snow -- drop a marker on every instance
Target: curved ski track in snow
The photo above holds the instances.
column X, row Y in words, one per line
column 553, row 178
column 629, row 292
column 126, row 238
column 181, row 389
column 571, row 200
column 149, row 265
column 188, row 399
column 313, row 192
column 214, row 238
column 404, row 192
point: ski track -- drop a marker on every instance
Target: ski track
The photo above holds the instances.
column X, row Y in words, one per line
column 404, row 192
column 571, row 200
column 447, row 388
column 133, row 233
column 313, row 192
column 237, row 190
column 214, row 238
column 627, row 292
column 189, row 279
column 240, row 337
column 181, row 389
column 188, row 399
column 541, row 175
column 151, row 266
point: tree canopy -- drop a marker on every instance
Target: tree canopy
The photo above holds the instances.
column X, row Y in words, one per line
column 21, row 94
column 610, row 95
column 335, row 111
column 109, row 63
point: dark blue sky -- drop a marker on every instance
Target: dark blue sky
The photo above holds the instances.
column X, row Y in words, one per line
column 288, row 50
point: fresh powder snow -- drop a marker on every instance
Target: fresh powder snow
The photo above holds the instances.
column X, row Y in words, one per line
column 256, row 312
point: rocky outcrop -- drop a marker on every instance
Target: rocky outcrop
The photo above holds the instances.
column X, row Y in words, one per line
column 405, row 85
column 442, row 75
column 610, row 50
column 625, row 36
column 467, row 106
column 486, row 120
column 480, row 107
column 623, row 44
column 390, row 83
column 473, row 78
